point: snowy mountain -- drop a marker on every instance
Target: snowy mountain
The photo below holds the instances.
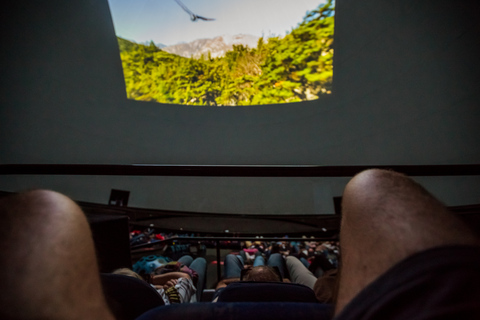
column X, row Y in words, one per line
column 147, row 43
column 217, row 46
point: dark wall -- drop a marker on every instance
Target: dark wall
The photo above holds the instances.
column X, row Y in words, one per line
column 405, row 92
column 112, row 243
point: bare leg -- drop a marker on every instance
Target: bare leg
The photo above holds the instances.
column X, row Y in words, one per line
column 49, row 269
column 386, row 218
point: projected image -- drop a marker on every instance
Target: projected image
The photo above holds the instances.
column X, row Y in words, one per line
column 225, row 52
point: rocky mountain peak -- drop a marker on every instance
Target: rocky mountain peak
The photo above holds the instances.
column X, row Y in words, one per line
column 217, row 46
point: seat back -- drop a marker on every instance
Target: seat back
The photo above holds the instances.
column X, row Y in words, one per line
column 129, row 297
column 248, row 291
column 240, row 311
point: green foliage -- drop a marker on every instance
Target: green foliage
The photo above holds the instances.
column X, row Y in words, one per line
column 294, row 68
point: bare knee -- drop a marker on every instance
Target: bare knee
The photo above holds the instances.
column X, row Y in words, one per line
column 39, row 226
column 47, row 202
column 37, row 205
column 392, row 217
column 370, row 184
column 378, row 191
column 394, row 206
column 39, row 215
column 48, row 244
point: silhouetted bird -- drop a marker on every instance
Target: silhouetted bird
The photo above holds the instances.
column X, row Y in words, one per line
column 193, row 16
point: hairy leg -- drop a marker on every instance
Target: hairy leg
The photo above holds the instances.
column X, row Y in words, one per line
column 386, row 218
column 49, row 268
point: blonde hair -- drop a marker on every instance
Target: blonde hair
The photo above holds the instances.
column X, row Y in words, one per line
column 127, row 272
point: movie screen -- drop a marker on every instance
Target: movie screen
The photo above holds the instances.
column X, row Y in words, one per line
column 225, row 52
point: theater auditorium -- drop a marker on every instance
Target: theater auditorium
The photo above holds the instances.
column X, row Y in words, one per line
column 354, row 197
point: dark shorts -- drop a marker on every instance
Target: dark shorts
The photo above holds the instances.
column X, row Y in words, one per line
column 440, row 283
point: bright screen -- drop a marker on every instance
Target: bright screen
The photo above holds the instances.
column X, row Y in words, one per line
column 225, row 52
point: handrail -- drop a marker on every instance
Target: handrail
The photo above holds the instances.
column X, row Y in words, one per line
column 217, row 244
column 166, row 241
column 232, row 170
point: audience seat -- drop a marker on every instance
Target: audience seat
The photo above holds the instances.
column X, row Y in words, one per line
column 129, row 297
column 246, row 291
column 240, row 311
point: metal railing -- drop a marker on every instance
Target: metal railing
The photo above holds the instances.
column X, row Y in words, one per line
column 217, row 241
column 232, row 170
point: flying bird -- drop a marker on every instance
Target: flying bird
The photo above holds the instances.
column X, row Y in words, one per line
column 193, row 16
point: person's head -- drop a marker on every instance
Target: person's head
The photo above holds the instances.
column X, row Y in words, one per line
column 127, row 272
column 262, row 274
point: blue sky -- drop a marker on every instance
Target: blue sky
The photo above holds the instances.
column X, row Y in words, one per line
column 164, row 21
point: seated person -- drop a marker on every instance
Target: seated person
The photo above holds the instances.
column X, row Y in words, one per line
column 234, row 264
column 323, row 286
column 261, row 274
column 236, row 270
column 127, row 272
column 129, row 298
column 194, row 269
column 175, row 287
column 175, row 282
column 282, row 247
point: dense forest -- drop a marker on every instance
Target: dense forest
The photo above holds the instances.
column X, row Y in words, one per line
column 292, row 68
